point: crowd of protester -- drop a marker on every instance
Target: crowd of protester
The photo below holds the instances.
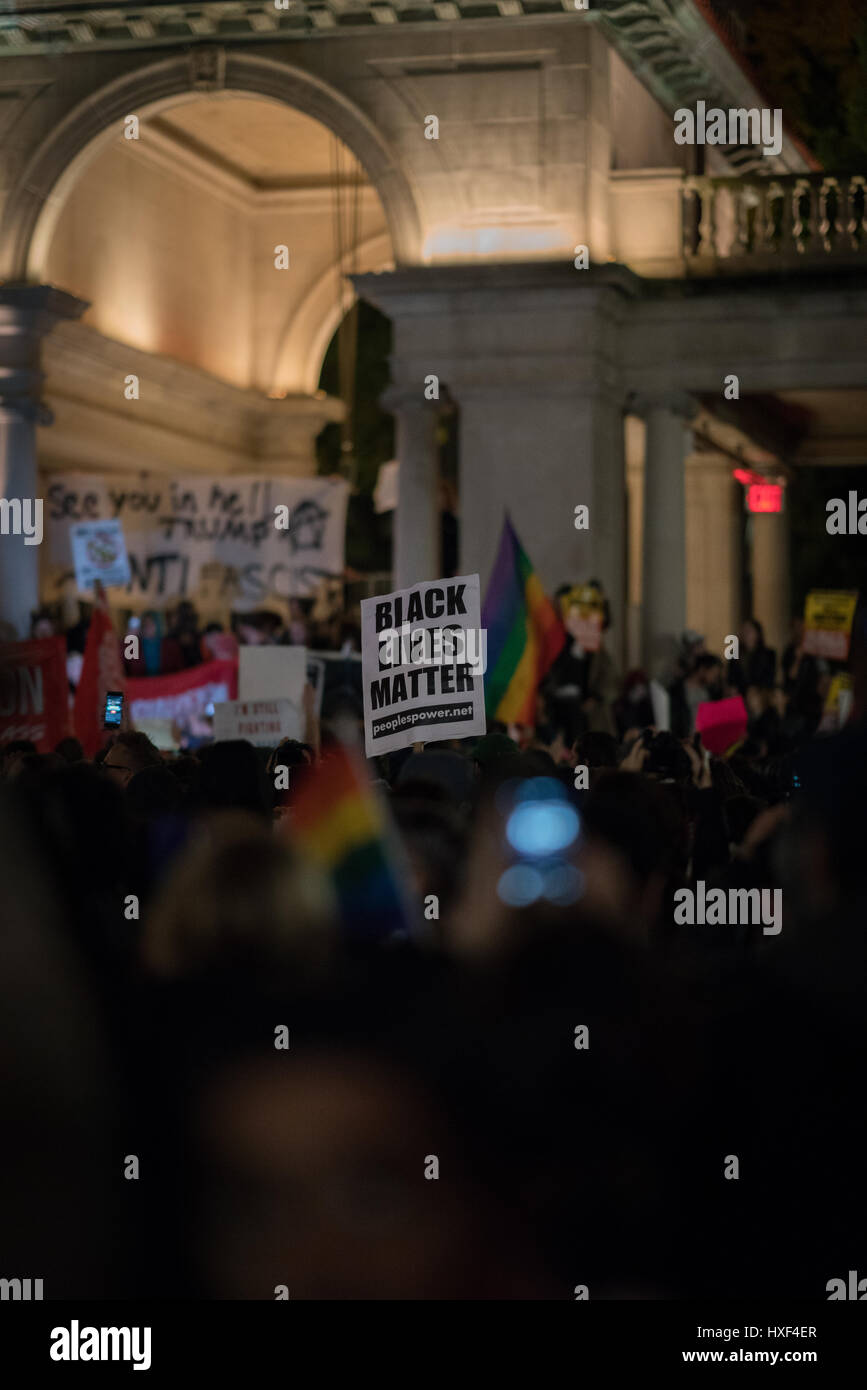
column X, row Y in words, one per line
column 178, row 638
column 785, row 696
column 785, row 701
column 162, row 927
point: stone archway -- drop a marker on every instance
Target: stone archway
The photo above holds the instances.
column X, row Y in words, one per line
column 37, row 197
column 314, row 322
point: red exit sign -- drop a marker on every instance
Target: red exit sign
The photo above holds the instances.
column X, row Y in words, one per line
column 764, row 497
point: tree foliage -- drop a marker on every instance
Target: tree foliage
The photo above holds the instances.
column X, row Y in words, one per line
column 812, row 62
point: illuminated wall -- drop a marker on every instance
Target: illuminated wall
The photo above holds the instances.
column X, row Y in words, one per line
column 176, row 254
column 166, row 265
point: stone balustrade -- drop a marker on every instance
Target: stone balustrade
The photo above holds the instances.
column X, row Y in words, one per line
column 736, row 224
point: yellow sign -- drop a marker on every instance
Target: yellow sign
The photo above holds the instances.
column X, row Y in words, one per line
column 838, row 702
column 828, row 615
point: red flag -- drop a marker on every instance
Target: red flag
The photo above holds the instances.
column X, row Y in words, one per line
column 101, row 670
column 34, row 692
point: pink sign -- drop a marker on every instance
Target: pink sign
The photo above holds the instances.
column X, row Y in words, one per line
column 721, row 723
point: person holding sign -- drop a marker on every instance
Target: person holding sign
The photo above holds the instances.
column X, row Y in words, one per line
column 422, row 659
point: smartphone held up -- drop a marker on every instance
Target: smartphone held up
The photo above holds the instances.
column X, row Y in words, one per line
column 113, row 712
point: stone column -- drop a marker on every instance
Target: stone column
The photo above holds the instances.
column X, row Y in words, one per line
column 604, row 421
column 634, row 436
column 770, row 570
column 27, row 314
column 663, row 616
column 714, row 510
column 416, row 553
column 530, row 356
column 539, row 454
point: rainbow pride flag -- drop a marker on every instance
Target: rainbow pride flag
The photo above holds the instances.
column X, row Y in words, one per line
column 525, row 633
column 337, row 819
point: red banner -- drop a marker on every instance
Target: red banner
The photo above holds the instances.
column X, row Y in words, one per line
column 182, row 694
column 34, row 692
column 102, row 670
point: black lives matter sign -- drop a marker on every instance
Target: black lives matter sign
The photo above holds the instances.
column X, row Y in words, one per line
column 422, row 664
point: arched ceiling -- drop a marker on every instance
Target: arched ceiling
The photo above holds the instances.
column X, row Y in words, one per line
column 172, row 238
column 269, row 146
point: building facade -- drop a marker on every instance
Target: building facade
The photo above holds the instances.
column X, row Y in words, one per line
column 621, row 320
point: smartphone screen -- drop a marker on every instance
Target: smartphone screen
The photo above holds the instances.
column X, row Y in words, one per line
column 113, row 709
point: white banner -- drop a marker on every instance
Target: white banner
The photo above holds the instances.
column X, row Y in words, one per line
column 422, row 663
column 240, row 539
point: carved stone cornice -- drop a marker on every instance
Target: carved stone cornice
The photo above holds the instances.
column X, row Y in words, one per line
column 184, row 419
column 677, row 51
column 28, row 313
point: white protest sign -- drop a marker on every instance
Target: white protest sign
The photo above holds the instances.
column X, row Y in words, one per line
column 272, row 673
column 235, row 540
column 422, row 659
column 262, row 722
column 661, row 703
column 99, row 554
column 386, row 492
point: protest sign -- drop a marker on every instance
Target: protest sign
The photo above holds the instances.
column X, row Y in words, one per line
column 183, row 695
column 99, row 554
column 423, row 659
column 721, row 723
column 838, row 703
column 262, row 722
column 828, row 615
column 211, row 539
column 660, row 701
column 272, row 673
column 34, row 692
column 386, row 492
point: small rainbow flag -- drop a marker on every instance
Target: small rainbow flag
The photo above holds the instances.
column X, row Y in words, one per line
column 337, row 819
column 525, row 633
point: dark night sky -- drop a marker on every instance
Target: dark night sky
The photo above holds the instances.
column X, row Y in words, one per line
column 812, row 61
